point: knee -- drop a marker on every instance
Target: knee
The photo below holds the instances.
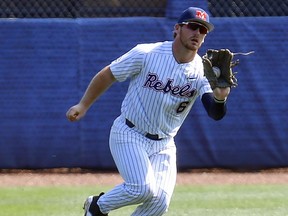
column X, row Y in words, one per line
column 140, row 193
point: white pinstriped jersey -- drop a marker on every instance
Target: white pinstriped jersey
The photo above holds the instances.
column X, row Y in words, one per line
column 161, row 91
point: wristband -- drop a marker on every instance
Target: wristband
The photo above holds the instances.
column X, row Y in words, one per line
column 219, row 101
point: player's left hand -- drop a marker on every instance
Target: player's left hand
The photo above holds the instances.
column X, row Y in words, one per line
column 222, row 60
column 221, row 94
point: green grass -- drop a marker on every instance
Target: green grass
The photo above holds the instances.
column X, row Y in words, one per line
column 215, row 200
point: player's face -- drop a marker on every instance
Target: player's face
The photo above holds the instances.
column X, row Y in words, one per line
column 191, row 35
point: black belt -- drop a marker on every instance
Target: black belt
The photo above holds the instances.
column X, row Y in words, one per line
column 148, row 135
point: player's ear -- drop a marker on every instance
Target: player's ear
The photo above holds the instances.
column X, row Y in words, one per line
column 176, row 27
column 176, row 30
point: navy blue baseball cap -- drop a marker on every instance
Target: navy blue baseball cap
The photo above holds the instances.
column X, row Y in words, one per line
column 198, row 15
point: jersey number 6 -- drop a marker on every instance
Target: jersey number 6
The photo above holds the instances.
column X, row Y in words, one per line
column 182, row 106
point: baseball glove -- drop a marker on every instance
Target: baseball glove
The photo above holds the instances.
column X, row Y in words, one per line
column 222, row 59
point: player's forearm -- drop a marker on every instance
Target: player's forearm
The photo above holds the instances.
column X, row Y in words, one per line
column 98, row 85
column 215, row 110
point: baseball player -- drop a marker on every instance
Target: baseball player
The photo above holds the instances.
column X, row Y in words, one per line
column 165, row 80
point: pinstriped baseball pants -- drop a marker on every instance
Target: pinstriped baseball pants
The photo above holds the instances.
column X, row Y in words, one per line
column 148, row 168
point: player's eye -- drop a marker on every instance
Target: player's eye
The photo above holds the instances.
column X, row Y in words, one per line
column 195, row 26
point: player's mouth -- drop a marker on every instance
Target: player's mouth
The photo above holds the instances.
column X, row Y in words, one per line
column 195, row 40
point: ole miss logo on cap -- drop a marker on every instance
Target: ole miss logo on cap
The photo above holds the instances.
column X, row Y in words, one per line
column 201, row 15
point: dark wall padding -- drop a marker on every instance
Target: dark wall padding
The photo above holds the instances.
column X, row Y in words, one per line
column 46, row 65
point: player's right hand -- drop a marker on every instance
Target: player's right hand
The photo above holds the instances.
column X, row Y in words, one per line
column 75, row 113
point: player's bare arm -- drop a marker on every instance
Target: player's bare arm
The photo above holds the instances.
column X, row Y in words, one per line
column 98, row 85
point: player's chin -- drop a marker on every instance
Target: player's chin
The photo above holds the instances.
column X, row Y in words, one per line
column 194, row 44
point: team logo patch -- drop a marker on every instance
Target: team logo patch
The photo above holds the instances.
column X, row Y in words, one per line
column 201, row 15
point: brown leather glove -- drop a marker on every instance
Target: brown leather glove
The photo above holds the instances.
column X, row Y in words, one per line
column 221, row 59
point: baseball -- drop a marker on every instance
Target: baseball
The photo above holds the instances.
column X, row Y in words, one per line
column 217, row 71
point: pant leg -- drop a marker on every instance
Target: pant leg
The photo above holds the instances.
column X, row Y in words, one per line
column 165, row 171
column 130, row 153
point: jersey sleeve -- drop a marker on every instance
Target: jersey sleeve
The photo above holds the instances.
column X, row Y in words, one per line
column 204, row 87
column 128, row 65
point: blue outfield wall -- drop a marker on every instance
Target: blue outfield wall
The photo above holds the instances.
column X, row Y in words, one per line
column 46, row 65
